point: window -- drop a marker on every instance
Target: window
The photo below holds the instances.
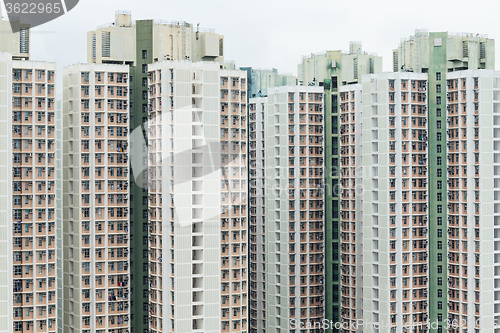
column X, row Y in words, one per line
column 17, row 74
column 439, row 161
column 440, row 304
column 438, row 100
column 144, row 68
column 440, row 257
column 438, row 76
column 438, row 88
column 144, row 54
column 438, row 124
column 438, row 136
column 440, row 209
column 17, row 102
column 440, row 232
column 438, row 112
column 439, row 172
column 439, row 184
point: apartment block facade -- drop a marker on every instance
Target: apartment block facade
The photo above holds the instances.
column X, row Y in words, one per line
column 472, row 117
column 31, row 156
column 291, row 227
column 257, row 227
column 351, row 205
column 332, row 70
column 6, row 183
column 198, row 198
column 35, row 197
column 395, row 200
column 139, row 43
column 31, row 218
column 398, row 177
column 438, row 54
column 96, row 199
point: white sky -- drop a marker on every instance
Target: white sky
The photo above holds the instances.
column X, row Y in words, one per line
column 276, row 33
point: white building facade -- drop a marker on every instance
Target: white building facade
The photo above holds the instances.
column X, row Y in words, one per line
column 198, row 198
column 395, row 217
column 96, row 216
column 351, row 214
column 257, row 232
column 294, row 209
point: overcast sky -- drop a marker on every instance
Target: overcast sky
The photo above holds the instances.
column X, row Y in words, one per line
column 276, row 33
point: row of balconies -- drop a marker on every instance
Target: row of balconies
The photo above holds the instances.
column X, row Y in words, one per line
column 18, row 118
column 27, row 75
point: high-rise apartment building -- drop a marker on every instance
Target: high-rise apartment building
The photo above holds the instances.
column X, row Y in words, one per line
column 351, row 204
column 139, row 43
column 438, row 54
column 291, row 225
column 6, row 211
column 332, row 70
column 96, row 199
column 31, row 163
column 395, row 197
column 31, row 255
column 472, row 153
column 198, row 198
column 412, row 110
column 400, row 262
column 257, row 220
column 6, row 179
column 259, row 81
